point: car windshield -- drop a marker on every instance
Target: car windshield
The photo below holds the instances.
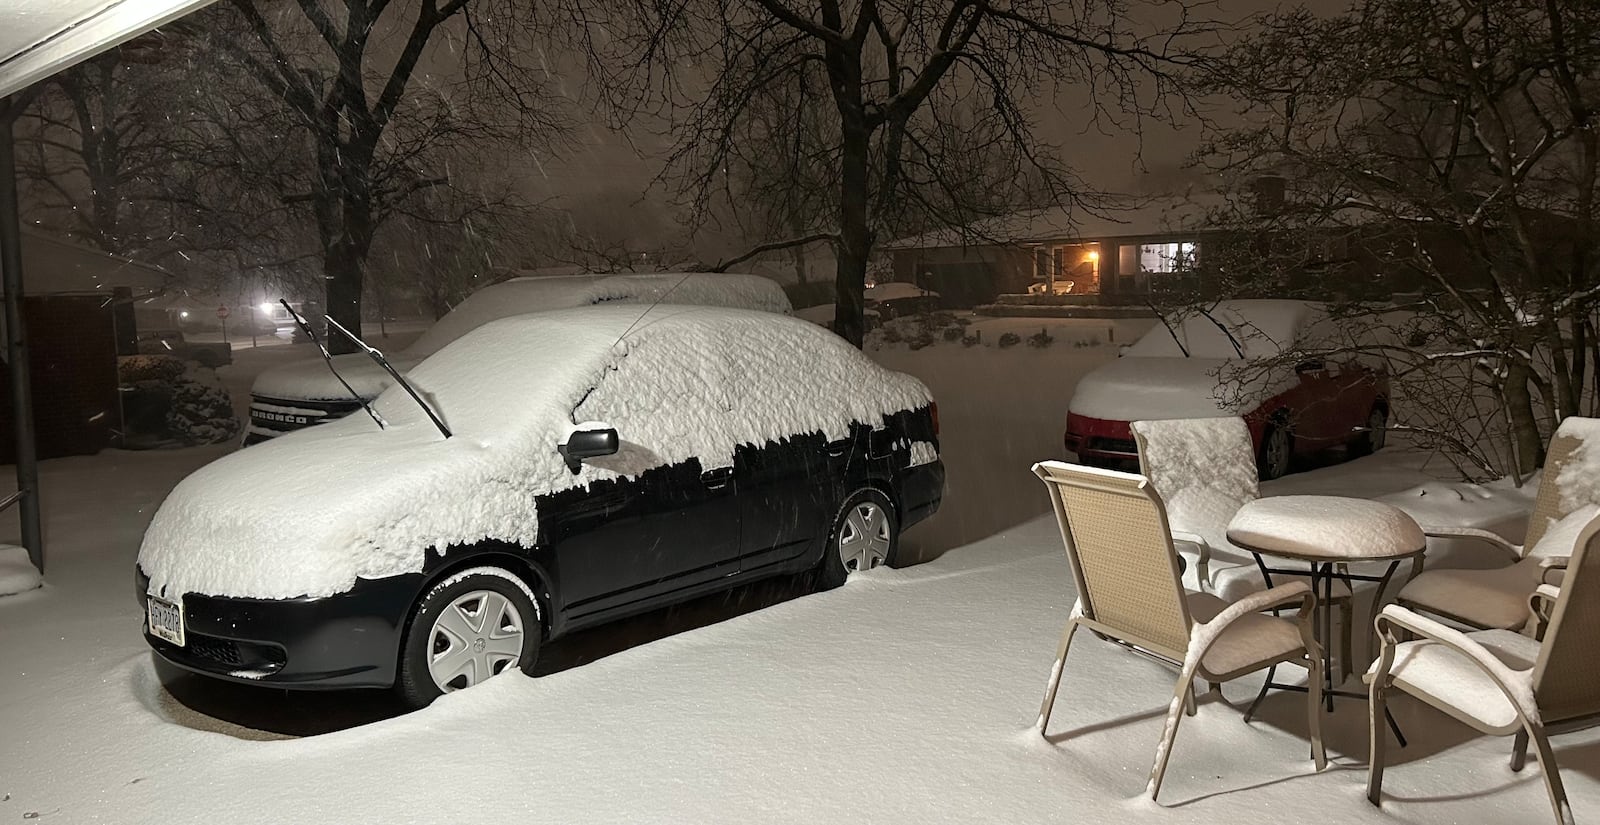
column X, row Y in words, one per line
column 494, row 379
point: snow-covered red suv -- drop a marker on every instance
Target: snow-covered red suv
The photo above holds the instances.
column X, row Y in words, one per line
column 603, row 461
column 1197, row 368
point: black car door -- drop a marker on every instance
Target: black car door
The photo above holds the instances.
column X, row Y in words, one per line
column 672, row 521
column 623, row 541
column 787, row 494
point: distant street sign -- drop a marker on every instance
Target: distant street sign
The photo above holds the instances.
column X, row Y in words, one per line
column 222, row 312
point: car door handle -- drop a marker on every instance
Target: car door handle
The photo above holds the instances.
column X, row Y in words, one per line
column 838, row 448
column 717, row 479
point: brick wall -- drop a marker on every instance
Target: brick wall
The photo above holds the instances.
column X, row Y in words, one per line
column 73, row 354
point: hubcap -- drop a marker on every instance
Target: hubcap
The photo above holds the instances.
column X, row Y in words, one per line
column 477, row 636
column 864, row 538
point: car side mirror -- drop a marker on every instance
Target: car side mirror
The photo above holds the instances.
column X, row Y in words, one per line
column 1310, row 365
column 590, row 441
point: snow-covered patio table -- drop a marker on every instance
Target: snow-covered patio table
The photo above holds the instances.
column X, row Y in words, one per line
column 1327, row 532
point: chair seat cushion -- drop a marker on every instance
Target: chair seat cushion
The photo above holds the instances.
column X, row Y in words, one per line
column 1453, row 683
column 1250, row 643
column 1496, row 598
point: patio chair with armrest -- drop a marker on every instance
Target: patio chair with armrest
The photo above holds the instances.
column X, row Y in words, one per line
column 1205, row 469
column 1498, row 681
column 1497, row 598
column 1115, row 530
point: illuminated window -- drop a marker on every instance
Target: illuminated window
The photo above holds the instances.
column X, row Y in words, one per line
column 1178, row 256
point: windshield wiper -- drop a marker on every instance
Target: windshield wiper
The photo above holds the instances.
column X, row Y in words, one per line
column 328, row 357
column 377, row 356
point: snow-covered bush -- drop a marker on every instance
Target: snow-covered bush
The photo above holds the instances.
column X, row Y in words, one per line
column 171, row 402
column 1009, row 339
column 202, row 411
column 132, row 369
column 1041, row 339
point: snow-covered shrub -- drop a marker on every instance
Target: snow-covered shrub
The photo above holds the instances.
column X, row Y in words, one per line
column 169, row 402
column 131, row 369
column 972, row 340
column 202, row 411
column 1009, row 339
column 1041, row 339
column 952, row 333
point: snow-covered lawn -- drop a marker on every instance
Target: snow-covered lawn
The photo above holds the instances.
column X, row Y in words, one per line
column 905, row 696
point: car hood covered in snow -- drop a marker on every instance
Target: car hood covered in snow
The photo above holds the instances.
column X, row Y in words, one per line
column 1138, row 389
column 311, row 380
column 309, row 513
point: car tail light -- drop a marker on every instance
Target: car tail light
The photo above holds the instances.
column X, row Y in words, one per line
column 933, row 411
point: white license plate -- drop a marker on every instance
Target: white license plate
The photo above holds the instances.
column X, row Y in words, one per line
column 166, row 620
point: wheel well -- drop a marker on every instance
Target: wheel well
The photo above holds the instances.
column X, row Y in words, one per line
column 505, row 559
column 883, row 486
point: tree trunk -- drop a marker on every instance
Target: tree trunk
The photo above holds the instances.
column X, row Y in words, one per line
column 855, row 235
column 1524, row 424
column 342, row 271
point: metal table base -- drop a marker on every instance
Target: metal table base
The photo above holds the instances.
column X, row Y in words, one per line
column 1322, row 575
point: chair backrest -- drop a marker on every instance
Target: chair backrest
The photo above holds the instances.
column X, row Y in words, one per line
column 1205, row 469
column 1566, row 679
column 1556, row 499
column 1115, row 531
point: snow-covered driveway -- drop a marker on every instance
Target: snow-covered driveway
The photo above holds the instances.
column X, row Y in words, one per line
column 905, row 696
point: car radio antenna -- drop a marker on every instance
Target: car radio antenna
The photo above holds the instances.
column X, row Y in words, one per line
column 328, row 358
column 377, row 356
column 653, row 305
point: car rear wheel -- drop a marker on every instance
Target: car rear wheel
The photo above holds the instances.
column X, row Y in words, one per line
column 471, row 626
column 1277, row 448
column 1375, row 436
column 865, row 534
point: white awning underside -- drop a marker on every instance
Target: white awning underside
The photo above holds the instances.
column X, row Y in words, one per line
column 41, row 37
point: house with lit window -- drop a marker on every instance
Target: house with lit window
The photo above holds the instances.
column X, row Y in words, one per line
column 1116, row 256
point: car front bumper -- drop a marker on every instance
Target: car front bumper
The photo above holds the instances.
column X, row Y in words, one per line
column 1100, row 441
column 348, row 640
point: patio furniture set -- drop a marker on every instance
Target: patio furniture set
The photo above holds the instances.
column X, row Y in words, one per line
column 1507, row 651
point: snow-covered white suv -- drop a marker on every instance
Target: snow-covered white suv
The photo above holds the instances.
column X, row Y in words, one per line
column 604, row 461
column 304, row 393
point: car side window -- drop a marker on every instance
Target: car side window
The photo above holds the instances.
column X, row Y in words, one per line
column 668, row 398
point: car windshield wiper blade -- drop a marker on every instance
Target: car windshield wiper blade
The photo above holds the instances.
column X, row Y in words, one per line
column 328, row 358
column 377, row 356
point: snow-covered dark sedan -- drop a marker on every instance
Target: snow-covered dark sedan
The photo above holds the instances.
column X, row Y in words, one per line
column 602, row 461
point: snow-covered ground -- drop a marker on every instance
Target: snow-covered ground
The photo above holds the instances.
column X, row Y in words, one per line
column 905, row 696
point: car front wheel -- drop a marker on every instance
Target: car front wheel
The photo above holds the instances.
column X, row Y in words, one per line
column 865, row 535
column 1374, row 436
column 1277, row 448
column 471, row 626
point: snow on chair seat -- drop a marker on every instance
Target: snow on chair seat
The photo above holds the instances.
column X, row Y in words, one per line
column 1500, row 682
column 1118, row 545
column 1498, row 597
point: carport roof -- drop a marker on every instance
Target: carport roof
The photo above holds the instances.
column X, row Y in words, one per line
column 51, row 266
column 41, row 37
